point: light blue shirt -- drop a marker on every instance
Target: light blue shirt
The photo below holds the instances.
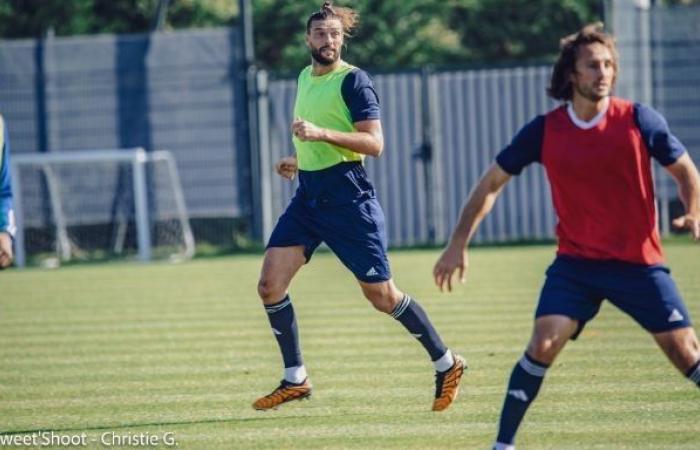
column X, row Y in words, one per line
column 7, row 222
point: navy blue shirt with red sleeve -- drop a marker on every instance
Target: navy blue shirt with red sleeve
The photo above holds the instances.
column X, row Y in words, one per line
column 601, row 180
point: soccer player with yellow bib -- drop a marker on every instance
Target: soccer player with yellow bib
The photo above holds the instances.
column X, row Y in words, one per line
column 336, row 125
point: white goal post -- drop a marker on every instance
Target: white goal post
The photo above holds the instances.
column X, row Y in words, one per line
column 55, row 170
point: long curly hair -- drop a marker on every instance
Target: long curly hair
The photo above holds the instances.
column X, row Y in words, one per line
column 560, row 87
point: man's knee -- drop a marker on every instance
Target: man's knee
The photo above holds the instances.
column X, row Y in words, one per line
column 683, row 355
column 270, row 290
column 381, row 301
column 383, row 298
column 681, row 346
column 545, row 348
column 549, row 337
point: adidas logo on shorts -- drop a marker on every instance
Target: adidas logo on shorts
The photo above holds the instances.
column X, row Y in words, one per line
column 675, row 316
column 372, row 272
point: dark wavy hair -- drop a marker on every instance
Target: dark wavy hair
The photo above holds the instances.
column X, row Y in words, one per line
column 348, row 17
column 560, row 87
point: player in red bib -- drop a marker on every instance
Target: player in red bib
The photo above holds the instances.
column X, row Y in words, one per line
column 596, row 150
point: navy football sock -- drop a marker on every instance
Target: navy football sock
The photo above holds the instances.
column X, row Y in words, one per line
column 524, row 384
column 284, row 326
column 416, row 321
column 694, row 374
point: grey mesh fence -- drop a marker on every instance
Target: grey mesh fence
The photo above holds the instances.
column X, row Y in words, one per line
column 631, row 26
column 19, row 97
column 479, row 112
column 398, row 173
column 676, row 68
column 660, row 59
column 180, row 91
column 281, row 96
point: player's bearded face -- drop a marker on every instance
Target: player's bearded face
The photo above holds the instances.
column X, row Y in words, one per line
column 325, row 40
column 325, row 55
column 595, row 72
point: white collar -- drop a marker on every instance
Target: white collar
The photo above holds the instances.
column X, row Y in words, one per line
column 586, row 125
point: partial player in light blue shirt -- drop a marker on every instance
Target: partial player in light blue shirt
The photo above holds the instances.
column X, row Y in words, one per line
column 7, row 223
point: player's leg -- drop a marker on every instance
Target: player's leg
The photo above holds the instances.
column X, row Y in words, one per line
column 290, row 247
column 682, row 348
column 280, row 264
column 357, row 235
column 387, row 298
column 550, row 335
column 651, row 297
column 279, row 267
column 566, row 303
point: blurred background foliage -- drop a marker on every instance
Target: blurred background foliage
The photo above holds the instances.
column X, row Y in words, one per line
column 393, row 33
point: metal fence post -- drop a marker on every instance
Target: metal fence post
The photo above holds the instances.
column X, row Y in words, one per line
column 264, row 155
column 141, row 205
column 425, row 153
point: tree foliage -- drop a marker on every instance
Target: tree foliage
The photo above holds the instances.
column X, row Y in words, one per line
column 517, row 30
column 392, row 34
column 404, row 33
column 34, row 18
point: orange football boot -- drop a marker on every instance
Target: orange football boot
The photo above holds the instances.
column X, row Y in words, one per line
column 285, row 392
column 447, row 384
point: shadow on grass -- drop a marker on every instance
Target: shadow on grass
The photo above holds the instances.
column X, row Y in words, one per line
column 166, row 423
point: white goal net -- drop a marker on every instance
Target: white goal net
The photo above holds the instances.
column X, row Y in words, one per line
column 101, row 204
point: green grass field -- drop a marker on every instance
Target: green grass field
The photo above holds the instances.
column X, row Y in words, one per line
column 132, row 349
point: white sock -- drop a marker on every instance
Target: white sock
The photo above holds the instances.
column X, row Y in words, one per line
column 445, row 362
column 499, row 446
column 295, row 374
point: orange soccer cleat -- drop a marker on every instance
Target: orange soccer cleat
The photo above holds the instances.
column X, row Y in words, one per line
column 447, row 384
column 285, row 392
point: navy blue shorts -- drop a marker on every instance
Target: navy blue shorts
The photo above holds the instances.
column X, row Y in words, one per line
column 577, row 287
column 355, row 232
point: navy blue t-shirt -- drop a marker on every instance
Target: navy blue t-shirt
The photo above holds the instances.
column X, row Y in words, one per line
column 359, row 96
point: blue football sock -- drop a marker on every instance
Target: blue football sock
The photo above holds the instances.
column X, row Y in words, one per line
column 284, row 326
column 694, row 373
column 524, row 384
column 416, row 321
